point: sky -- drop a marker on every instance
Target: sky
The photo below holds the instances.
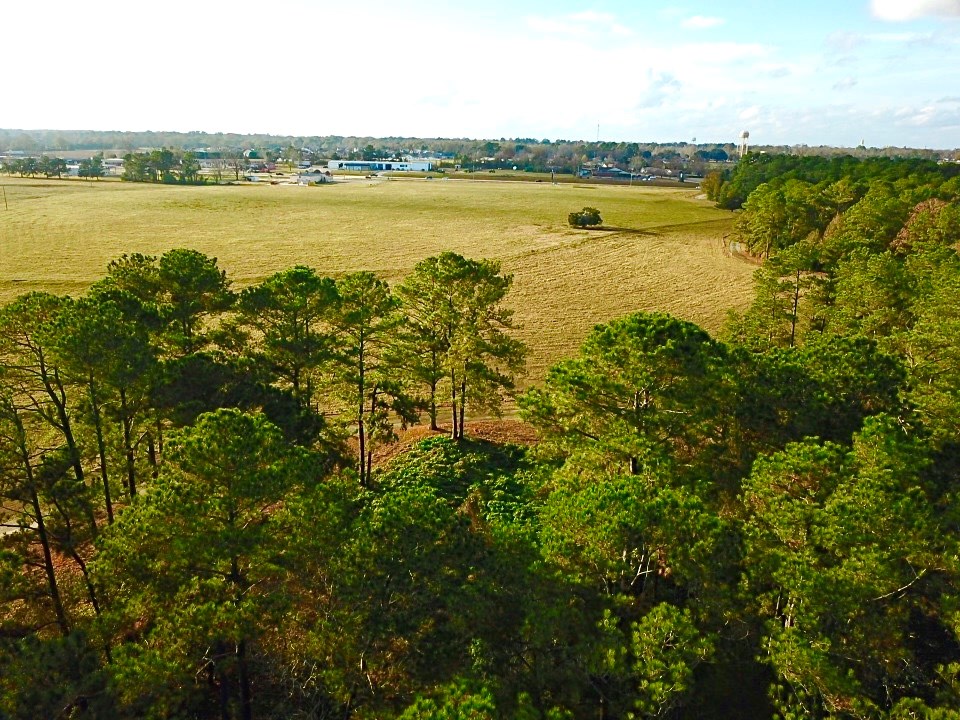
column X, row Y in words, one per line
column 804, row 72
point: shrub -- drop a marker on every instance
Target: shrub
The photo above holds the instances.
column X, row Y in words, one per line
column 585, row 218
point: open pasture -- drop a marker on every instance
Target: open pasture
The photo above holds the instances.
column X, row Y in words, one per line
column 661, row 249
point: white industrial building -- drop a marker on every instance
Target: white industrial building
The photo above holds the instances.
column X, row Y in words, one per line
column 313, row 177
column 381, row 165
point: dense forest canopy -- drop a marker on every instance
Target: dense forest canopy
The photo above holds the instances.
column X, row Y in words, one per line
column 761, row 524
column 845, row 173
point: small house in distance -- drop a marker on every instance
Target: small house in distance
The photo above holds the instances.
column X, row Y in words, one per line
column 314, row 176
column 381, row 165
column 608, row 171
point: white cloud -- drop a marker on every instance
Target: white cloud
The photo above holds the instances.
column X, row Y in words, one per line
column 553, row 26
column 901, row 10
column 905, row 37
column 774, row 70
column 579, row 23
column 701, row 22
column 660, row 86
column 930, row 117
column 843, row 42
column 590, row 16
column 720, row 53
column 845, row 84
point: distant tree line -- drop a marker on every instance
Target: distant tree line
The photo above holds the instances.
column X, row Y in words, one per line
column 730, row 188
column 31, row 166
column 52, row 167
column 528, row 153
column 162, row 166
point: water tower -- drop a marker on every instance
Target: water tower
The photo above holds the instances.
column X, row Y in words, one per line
column 742, row 148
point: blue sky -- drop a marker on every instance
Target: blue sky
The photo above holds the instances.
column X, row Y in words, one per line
column 886, row 72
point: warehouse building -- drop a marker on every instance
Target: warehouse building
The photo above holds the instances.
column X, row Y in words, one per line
column 381, row 165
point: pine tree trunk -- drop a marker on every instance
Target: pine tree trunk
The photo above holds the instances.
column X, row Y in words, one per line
column 638, row 405
column 101, row 449
column 363, row 447
column 361, row 392
column 433, row 391
column 58, row 396
column 91, row 590
column 220, row 653
column 369, row 458
column 463, row 404
column 152, row 457
column 58, row 610
column 453, row 405
column 246, row 706
column 793, row 316
column 128, row 446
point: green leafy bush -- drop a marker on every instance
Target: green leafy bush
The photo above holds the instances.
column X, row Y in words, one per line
column 587, row 217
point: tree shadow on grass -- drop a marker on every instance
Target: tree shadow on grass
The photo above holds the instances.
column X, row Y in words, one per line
column 615, row 229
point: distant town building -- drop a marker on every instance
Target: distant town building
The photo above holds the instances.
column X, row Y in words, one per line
column 314, row 177
column 381, row 165
column 605, row 171
column 113, row 167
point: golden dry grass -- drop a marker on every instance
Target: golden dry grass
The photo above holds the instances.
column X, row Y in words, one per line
column 665, row 253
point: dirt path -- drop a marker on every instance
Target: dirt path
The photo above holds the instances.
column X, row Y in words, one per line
column 497, row 431
column 739, row 251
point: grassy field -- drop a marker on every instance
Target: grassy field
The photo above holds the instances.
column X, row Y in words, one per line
column 662, row 249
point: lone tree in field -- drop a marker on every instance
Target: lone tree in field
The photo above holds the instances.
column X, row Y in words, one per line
column 588, row 217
